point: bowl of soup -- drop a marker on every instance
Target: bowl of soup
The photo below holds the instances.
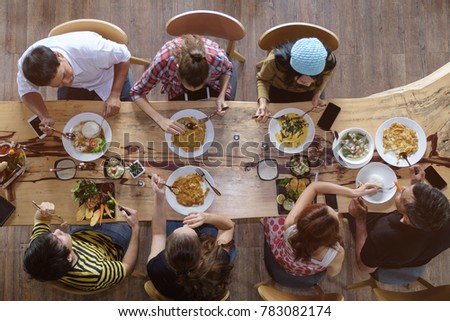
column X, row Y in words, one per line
column 355, row 146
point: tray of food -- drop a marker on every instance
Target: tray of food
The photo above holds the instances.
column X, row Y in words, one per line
column 95, row 204
column 288, row 191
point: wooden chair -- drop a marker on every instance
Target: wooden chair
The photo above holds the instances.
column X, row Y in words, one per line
column 209, row 23
column 106, row 29
column 438, row 293
column 269, row 293
column 293, row 31
column 154, row 294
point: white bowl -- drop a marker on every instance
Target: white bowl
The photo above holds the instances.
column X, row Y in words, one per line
column 358, row 161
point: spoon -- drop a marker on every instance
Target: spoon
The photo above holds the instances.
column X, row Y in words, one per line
column 171, row 188
column 189, row 125
column 405, row 157
column 69, row 136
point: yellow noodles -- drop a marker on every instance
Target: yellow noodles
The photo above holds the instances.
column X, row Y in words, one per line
column 400, row 139
column 192, row 139
column 190, row 190
column 294, row 130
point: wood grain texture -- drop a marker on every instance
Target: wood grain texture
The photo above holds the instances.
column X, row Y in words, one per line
column 384, row 44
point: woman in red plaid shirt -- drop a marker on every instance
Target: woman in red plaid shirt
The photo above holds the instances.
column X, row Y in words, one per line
column 189, row 68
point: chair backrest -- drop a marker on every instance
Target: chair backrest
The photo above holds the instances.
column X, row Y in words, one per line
column 106, row 29
column 293, row 31
column 208, row 23
column 269, row 293
column 154, row 294
column 439, row 293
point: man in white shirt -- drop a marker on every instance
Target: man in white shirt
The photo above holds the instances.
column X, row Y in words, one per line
column 83, row 61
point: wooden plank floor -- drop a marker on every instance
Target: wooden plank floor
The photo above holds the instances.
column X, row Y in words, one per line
column 384, row 44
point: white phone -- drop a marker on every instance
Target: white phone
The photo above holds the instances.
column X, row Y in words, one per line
column 34, row 122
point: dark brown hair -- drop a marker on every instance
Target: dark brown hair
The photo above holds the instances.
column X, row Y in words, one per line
column 182, row 252
column 193, row 68
column 315, row 228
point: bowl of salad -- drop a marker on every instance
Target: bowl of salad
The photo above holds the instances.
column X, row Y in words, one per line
column 355, row 146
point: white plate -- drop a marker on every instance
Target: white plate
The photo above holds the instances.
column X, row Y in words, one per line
column 274, row 127
column 172, row 199
column 387, row 177
column 390, row 156
column 209, row 136
column 75, row 120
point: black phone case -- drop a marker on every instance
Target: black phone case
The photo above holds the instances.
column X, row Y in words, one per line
column 331, row 201
column 328, row 117
column 433, row 177
column 6, row 210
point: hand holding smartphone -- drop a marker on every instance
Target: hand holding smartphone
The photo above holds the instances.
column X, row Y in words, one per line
column 329, row 116
column 34, row 122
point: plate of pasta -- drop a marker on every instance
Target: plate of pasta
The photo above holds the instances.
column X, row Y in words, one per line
column 190, row 192
column 194, row 142
column 91, row 141
column 291, row 133
column 397, row 135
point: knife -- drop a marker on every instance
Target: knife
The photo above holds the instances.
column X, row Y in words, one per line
column 117, row 203
column 16, row 175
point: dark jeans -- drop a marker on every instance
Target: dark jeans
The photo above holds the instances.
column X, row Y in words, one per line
column 280, row 276
column 277, row 95
column 70, row 93
column 119, row 232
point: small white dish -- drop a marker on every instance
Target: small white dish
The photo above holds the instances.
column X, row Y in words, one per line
column 377, row 173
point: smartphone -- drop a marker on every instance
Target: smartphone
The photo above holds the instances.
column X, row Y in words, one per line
column 34, row 122
column 331, row 201
column 329, row 116
column 433, row 177
column 6, row 210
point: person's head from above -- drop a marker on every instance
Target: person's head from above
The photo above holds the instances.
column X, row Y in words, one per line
column 193, row 68
column 183, row 249
column 44, row 67
column 48, row 257
column 423, row 207
column 318, row 226
column 305, row 60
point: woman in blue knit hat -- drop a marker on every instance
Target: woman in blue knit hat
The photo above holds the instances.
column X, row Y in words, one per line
column 294, row 71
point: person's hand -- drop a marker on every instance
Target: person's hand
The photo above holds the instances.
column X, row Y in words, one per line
column 46, row 123
column 158, row 184
column 195, row 219
column 262, row 112
column 220, row 103
column 417, row 174
column 112, row 106
column 171, row 126
column 317, row 102
column 131, row 216
column 45, row 212
column 367, row 189
column 357, row 208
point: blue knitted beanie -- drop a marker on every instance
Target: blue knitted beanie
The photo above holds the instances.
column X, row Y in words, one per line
column 308, row 56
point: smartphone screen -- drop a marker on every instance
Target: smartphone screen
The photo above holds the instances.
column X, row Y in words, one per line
column 34, row 122
column 6, row 210
column 433, row 177
column 329, row 116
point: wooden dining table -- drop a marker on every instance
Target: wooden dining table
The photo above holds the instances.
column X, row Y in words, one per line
column 238, row 146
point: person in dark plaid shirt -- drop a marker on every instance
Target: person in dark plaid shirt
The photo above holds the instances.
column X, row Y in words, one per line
column 185, row 66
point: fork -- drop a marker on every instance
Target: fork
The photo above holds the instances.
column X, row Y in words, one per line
column 285, row 115
column 205, row 119
column 171, row 188
column 202, row 174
